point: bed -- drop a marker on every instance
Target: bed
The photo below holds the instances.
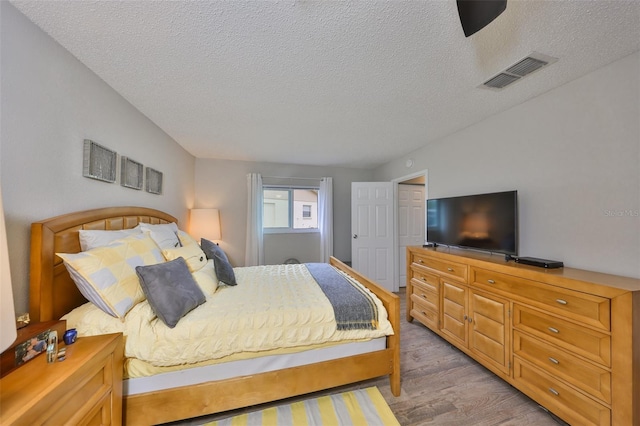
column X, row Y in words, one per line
column 53, row 294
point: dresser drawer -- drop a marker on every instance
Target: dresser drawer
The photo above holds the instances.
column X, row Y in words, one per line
column 449, row 268
column 426, row 280
column 425, row 300
column 588, row 377
column 425, row 297
column 87, row 393
column 84, row 389
column 582, row 307
column 100, row 414
column 570, row 404
column 583, row 341
column 423, row 313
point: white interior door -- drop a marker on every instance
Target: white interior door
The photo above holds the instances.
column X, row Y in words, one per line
column 411, row 224
column 372, row 208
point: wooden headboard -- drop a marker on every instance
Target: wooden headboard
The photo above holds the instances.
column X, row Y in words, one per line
column 52, row 292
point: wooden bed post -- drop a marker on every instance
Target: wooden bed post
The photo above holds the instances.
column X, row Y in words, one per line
column 391, row 303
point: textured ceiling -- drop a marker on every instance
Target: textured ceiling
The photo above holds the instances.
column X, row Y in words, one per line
column 350, row 83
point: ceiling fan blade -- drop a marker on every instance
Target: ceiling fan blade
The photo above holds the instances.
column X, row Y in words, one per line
column 477, row 14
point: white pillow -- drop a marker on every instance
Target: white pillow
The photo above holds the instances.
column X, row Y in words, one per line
column 165, row 235
column 90, row 239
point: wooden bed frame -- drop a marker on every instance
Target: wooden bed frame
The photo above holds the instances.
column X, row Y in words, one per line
column 53, row 294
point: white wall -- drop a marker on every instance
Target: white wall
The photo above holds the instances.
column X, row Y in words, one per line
column 50, row 104
column 572, row 153
column 305, row 247
column 222, row 184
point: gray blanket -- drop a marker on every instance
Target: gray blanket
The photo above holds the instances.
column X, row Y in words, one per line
column 353, row 307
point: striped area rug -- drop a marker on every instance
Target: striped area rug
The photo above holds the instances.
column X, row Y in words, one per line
column 355, row 408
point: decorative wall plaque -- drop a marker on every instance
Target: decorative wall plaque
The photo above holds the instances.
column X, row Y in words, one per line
column 154, row 181
column 131, row 173
column 99, row 162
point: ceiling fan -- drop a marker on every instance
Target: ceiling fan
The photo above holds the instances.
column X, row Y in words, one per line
column 477, row 14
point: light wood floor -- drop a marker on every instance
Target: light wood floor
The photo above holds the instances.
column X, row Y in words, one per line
column 440, row 386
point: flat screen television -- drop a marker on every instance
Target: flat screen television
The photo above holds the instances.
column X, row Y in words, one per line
column 487, row 222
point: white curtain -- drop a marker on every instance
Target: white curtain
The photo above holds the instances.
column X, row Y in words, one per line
column 325, row 218
column 254, row 252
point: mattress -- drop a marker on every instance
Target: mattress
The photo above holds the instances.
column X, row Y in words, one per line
column 245, row 367
column 274, row 310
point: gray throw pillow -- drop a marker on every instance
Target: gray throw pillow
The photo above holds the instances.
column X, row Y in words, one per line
column 170, row 289
column 224, row 270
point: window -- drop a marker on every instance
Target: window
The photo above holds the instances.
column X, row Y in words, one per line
column 290, row 209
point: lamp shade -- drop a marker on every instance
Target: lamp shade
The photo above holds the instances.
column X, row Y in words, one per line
column 8, row 331
column 205, row 223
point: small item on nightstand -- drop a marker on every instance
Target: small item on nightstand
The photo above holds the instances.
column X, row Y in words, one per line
column 52, row 346
column 62, row 354
column 70, row 336
column 23, row 321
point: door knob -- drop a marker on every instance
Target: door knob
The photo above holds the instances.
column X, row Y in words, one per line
column 355, row 236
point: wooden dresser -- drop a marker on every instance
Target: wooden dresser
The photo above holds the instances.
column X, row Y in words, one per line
column 84, row 389
column 567, row 338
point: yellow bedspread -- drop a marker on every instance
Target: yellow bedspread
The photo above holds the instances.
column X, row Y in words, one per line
column 272, row 307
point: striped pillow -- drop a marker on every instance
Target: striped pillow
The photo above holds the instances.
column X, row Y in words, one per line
column 107, row 277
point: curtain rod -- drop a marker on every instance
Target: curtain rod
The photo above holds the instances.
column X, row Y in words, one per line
column 291, row 177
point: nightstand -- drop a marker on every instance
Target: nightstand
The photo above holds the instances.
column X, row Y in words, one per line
column 85, row 388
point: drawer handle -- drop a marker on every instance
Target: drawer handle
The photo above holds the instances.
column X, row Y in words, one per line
column 450, row 269
column 561, row 301
column 424, row 296
column 554, row 330
column 420, row 261
column 553, row 391
column 424, row 278
column 491, row 281
column 553, row 360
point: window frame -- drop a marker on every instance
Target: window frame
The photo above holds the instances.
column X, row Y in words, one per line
column 290, row 229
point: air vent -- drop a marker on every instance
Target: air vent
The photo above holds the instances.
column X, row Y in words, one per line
column 501, row 80
column 526, row 66
column 515, row 72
